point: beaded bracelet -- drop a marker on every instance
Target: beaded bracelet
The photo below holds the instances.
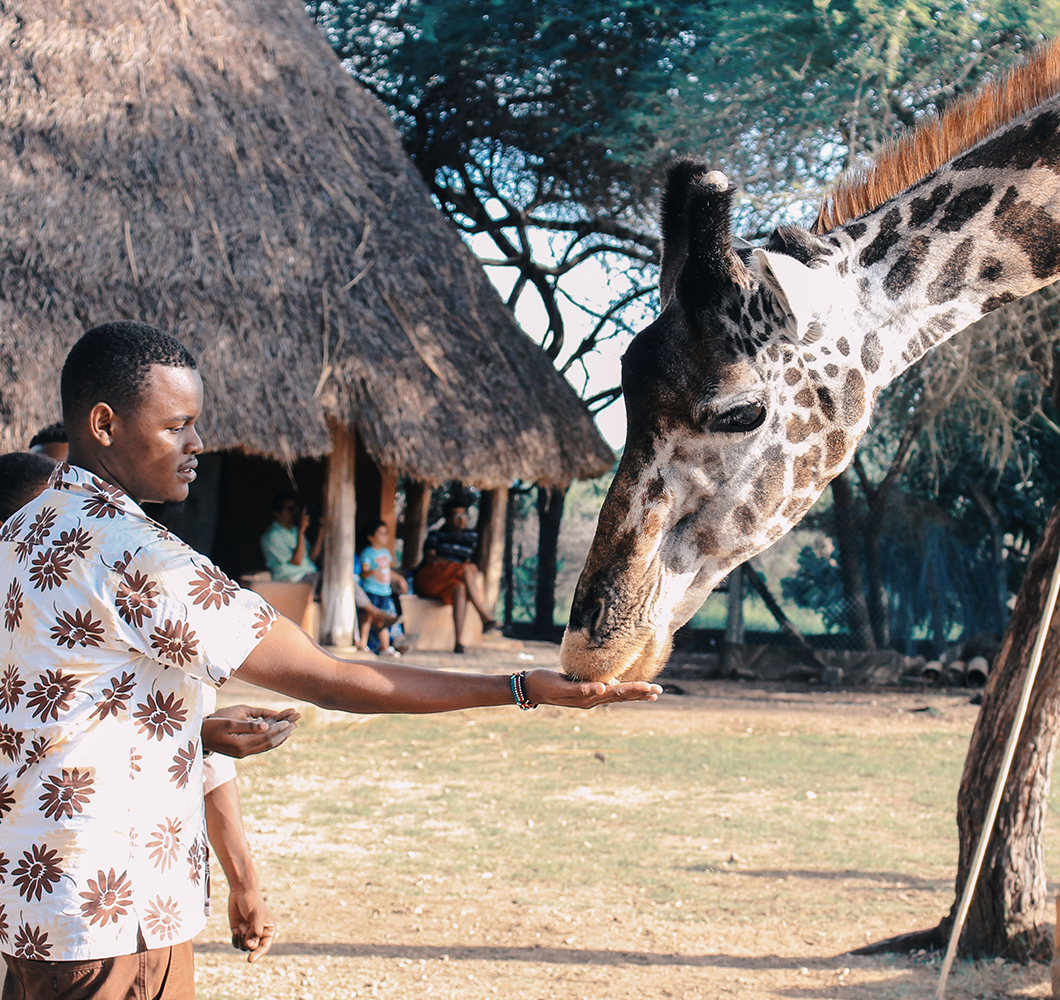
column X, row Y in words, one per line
column 518, row 683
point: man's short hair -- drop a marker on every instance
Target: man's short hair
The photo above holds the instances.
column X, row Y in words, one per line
column 110, row 364
column 52, row 434
column 23, row 475
column 281, row 498
column 456, row 501
column 372, row 527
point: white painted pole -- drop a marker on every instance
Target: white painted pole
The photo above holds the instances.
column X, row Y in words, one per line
column 1002, row 778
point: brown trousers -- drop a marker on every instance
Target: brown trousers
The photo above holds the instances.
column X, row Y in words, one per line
column 158, row 974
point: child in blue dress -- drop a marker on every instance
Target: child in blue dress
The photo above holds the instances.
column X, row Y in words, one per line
column 379, row 581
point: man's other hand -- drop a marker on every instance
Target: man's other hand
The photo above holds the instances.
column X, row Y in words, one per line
column 240, row 731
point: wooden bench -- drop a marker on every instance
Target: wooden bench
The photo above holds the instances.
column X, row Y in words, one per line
column 292, row 600
column 429, row 624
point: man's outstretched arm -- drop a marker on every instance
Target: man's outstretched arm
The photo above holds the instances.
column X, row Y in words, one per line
column 289, row 662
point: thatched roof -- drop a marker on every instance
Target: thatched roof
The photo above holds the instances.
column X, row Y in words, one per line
column 209, row 167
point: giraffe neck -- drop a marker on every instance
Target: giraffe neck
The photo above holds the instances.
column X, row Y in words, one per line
column 982, row 230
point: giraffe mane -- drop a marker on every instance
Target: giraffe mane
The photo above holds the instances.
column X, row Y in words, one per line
column 937, row 140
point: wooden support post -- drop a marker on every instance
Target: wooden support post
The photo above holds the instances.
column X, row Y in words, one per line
column 387, row 501
column 417, row 505
column 492, row 514
column 339, row 612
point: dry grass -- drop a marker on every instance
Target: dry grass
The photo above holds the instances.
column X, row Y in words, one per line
column 735, row 841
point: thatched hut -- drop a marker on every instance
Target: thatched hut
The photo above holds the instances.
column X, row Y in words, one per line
column 209, row 167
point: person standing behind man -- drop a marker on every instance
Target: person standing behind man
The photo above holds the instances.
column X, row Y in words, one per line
column 288, row 555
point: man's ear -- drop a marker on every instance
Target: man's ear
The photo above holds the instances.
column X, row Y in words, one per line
column 101, row 420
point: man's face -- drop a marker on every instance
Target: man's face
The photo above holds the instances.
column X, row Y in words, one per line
column 153, row 447
column 457, row 520
column 289, row 514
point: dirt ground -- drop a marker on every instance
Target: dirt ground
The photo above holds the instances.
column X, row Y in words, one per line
column 777, row 932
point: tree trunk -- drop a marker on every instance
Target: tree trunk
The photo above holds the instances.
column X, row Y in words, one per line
column 846, row 534
column 1009, row 908
column 550, row 514
column 879, row 618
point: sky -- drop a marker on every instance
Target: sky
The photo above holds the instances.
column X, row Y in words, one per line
column 589, row 283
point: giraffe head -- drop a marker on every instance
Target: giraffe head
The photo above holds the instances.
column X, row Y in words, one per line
column 745, row 397
column 749, row 393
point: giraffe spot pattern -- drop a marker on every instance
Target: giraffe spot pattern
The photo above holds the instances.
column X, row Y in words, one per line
column 804, row 467
column 852, row 404
column 655, row 489
column 922, row 209
column 792, row 376
column 806, row 398
column 824, row 397
column 964, row 206
column 797, row 506
column 950, row 278
column 707, row 540
column 907, row 267
column 1032, row 230
column 836, row 445
column 798, row 430
column 885, row 238
column 997, row 301
column 1036, row 143
column 990, row 269
column 871, row 353
column 767, row 490
column 843, row 346
column 831, row 370
column 745, row 519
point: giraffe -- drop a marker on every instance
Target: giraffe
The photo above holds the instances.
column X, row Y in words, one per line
column 750, row 391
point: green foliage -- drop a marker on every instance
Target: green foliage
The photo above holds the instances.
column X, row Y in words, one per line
column 543, row 126
column 796, row 91
column 555, row 97
column 954, row 549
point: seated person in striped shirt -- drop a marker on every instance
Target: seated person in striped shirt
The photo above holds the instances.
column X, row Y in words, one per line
column 447, row 571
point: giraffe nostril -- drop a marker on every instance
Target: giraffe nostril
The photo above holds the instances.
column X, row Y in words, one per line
column 597, row 616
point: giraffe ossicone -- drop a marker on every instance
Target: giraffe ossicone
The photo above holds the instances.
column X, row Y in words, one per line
column 750, row 391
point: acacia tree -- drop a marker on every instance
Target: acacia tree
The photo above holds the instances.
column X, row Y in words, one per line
column 542, row 126
column 531, row 121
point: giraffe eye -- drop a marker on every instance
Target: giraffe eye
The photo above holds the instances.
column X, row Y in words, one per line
column 738, row 420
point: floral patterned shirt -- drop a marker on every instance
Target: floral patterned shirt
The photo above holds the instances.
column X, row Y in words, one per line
column 109, row 628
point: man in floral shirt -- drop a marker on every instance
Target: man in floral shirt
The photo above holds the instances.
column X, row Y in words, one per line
column 110, row 626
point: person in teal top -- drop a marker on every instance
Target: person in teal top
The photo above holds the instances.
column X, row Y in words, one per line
column 288, row 555
column 378, row 583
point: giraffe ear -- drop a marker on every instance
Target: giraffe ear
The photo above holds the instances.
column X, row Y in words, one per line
column 807, row 294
